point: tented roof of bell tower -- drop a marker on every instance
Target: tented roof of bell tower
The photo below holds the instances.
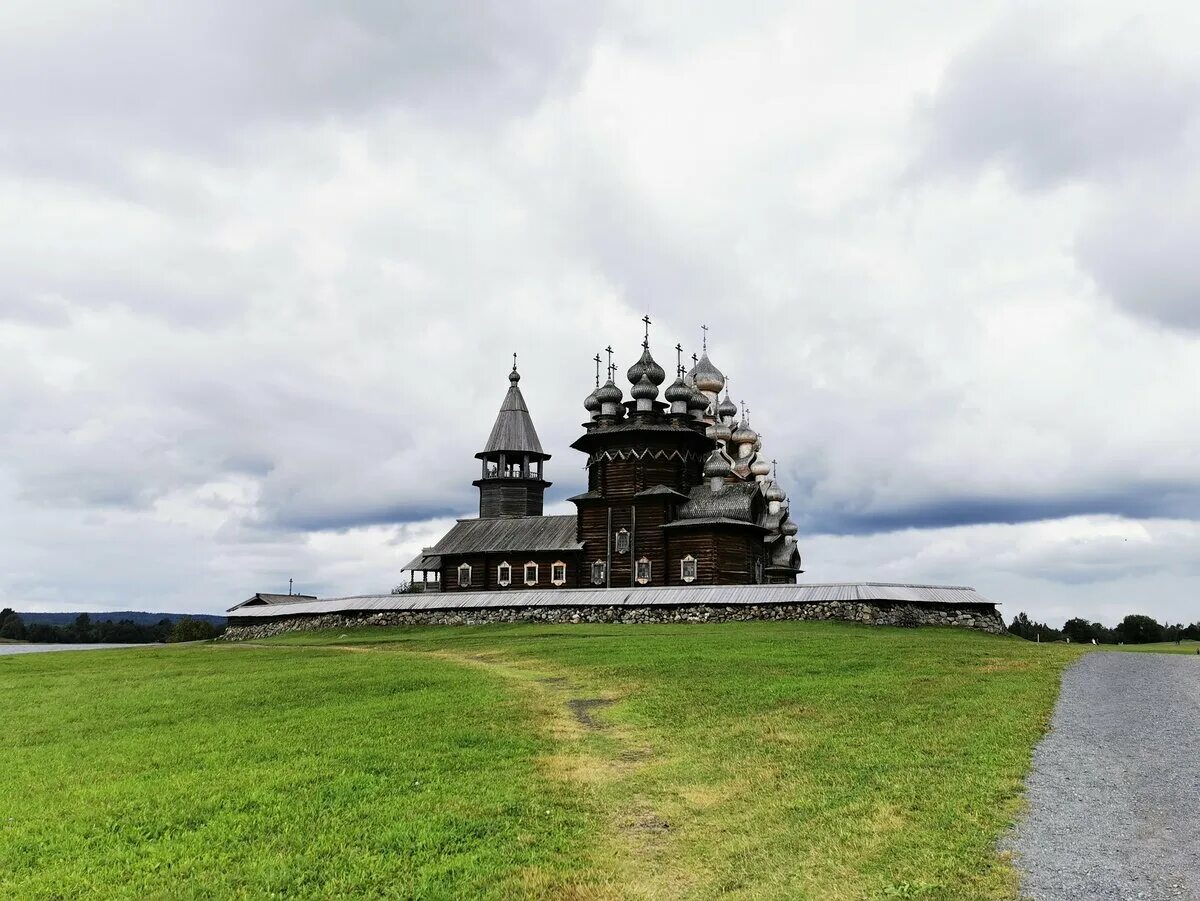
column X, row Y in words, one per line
column 513, row 431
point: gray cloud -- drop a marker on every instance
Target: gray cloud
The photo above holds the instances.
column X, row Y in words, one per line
column 1049, row 113
column 1115, row 114
column 1141, row 250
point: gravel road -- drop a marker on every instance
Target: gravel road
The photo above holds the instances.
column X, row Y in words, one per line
column 1114, row 793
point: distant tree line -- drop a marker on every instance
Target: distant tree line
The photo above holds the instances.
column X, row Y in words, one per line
column 123, row 631
column 1133, row 629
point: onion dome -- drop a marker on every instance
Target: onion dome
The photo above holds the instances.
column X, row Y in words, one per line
column 647, row 367
column 609, row 393
column 743, row 434
column 707, row 376
column 678, row 392
column 727, row 409
column 644, row 389
column 775, row 493
column 698, row 403
column 592, row 403
column 787, row 527
column 720, row 431
column 716, row 466
column 760, row 467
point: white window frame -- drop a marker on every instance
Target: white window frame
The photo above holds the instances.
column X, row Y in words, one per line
column 649, row 570
column 601, row 568
column 558, row 566
column 621, row 541
column 464, row 569
column 525, row 573
column 501, row 579
column 683, row 569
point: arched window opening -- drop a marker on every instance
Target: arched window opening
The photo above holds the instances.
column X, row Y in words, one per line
column 558, row 573
column 504, row 574
column 464, row 576
column 598, row 572
column 531, row 573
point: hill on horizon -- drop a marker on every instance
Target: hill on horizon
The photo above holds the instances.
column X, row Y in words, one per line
column 141, row 617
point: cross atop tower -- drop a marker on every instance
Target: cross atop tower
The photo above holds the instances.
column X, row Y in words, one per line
column 679, row 360
column 597, row 359
column 514, row 362
column 608, row 350
column 646, row 340
column 704, row 328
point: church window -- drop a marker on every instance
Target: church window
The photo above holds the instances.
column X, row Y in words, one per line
column 597, row 572
column 758, row 571
column 622, row 541
column 558, row 572
column 531, row 573
column 504, row 574
column 643, row 571
column 687, row 568
column 464, row 576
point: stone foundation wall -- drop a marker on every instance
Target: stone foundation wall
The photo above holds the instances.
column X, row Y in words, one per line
column 877, row 613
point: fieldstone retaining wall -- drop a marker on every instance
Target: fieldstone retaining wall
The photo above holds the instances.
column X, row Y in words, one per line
column 983, row 617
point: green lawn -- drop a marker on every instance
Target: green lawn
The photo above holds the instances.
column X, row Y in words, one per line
column 763, row 760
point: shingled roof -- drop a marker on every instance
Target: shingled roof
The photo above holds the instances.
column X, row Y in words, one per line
column 526, row 533
column 513, row 431
column 735, row 501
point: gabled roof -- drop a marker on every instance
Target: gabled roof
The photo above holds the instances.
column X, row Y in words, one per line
column 735, row 501
column 263, row 597
column 526, row 533
column 662, row 491
column 513, row 431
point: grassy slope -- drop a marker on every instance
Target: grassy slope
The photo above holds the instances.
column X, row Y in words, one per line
column 767, row 760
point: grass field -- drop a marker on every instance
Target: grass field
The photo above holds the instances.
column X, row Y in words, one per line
column 764, row 760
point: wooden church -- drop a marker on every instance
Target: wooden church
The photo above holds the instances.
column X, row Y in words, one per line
column 679, row 493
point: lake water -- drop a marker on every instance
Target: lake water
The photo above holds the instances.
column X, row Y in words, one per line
column 45, row 648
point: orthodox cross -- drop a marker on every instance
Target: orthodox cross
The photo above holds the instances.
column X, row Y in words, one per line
column 679, row 360
column 514, row 362
column 597, row 359
column 608, row 350
column 705, row 328
column 775, row 470
column 646, row 340
column 744, row 411
column 695, row 361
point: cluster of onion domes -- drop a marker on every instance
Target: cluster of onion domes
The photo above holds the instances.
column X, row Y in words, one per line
column 737, row 453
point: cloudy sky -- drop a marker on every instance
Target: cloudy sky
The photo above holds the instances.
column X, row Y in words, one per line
column 262, row 267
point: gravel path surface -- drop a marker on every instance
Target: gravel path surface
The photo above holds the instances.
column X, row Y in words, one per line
column 1114, row 793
